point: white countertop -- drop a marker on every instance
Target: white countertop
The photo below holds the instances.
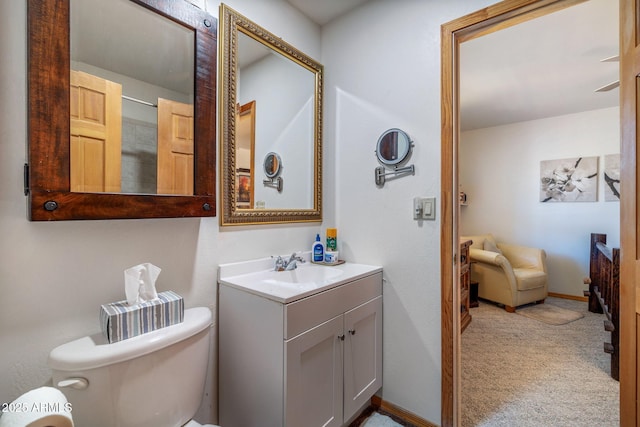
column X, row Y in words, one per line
column 259, row 278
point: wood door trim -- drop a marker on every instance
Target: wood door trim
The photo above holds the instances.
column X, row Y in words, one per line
column 629, row 331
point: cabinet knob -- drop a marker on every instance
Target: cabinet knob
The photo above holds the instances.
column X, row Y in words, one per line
column 341, row 337
column 352, row 331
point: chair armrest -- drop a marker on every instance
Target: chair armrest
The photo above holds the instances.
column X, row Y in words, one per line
column 524, row 256
column 488, row 257
column 492, row 261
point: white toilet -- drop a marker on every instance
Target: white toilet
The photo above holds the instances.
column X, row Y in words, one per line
column 152, row 380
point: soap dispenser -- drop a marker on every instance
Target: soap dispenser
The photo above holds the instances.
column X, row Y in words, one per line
column 317, row 250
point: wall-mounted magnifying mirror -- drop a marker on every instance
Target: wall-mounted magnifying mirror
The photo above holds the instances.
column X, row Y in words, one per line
column 392, row 150
column 284, row 86
column 393, row 147
column 272, row 168
column 272, row 165
column 120, row 123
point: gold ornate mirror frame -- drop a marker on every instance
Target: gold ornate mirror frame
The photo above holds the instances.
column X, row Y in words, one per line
column 231, row 24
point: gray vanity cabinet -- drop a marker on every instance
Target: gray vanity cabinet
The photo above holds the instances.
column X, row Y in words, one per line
column 312, row 362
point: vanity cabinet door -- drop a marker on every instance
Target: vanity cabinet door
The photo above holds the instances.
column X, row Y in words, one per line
column 362, row 355
column 313, row 376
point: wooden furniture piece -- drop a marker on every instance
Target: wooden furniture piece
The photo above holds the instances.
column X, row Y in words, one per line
column 473, row 293
column 465, row 279
column 604, row 293
column 315, row 361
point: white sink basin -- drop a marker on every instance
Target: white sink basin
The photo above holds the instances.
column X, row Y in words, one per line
column 258, row 277
column 305, row 273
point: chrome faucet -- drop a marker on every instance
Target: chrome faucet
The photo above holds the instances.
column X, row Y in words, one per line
column 287, row 265
column 292, row 264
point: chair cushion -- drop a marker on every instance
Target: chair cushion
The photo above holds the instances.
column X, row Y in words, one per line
column 527, row 278
column 478, row 240
column 490, row 246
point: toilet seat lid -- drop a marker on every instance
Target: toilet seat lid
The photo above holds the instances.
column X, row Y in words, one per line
column 94, row 351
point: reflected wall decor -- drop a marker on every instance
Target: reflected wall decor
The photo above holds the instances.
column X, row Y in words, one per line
column 569, row 180
column 245, row 187
column 612, row 178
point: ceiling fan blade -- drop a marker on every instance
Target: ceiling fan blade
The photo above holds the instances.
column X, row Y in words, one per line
column 614, row 58
column 608, row 87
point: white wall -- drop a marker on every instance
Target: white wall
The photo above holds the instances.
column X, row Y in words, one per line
column 382, row 68
column 54, row 276
column 500, row 172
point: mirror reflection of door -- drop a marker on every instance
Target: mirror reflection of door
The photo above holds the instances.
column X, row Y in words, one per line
column 245, row 154
column 389, row 146
column 96, row 133
column 150, row 57
column 175, row 147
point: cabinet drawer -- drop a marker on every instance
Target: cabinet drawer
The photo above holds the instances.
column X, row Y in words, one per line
column 306, row 313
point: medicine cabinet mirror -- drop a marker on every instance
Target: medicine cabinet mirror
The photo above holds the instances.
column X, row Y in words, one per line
column 284, row 87
column 122, row 111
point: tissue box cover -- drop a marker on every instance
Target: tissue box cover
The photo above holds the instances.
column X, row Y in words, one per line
column 120, row 321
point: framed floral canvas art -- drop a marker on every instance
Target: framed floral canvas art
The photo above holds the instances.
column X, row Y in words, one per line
column 612, row 178
column 569, row 180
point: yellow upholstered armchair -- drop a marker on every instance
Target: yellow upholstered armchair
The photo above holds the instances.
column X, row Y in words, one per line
column 507, row 274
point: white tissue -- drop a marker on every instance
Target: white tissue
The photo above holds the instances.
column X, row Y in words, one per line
column 42, row 407
column 140, row 283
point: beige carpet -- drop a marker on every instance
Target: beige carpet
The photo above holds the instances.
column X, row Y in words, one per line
column 517, row 371
column 549, row 313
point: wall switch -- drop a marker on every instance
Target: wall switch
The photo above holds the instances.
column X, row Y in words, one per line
column 424, row 208
column 429, row 208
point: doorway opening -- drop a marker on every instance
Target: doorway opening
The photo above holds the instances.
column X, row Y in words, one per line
column 490, row 20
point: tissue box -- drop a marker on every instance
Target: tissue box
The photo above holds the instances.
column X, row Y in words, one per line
column 120, row 321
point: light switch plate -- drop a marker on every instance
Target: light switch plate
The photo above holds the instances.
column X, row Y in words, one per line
column 429, row 208
column 424, row 208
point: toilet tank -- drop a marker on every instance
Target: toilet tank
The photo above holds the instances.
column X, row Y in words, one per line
column 154, row 379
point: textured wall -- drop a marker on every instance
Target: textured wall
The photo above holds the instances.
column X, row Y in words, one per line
column 382, row 63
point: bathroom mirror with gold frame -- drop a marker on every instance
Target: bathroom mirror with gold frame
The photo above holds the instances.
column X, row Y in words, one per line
column 103, row 72
column 284, row 87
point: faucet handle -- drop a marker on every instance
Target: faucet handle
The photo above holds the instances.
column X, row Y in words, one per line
column 279, row 264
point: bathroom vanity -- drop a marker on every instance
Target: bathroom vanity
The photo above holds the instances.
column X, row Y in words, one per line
column 300, row 347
